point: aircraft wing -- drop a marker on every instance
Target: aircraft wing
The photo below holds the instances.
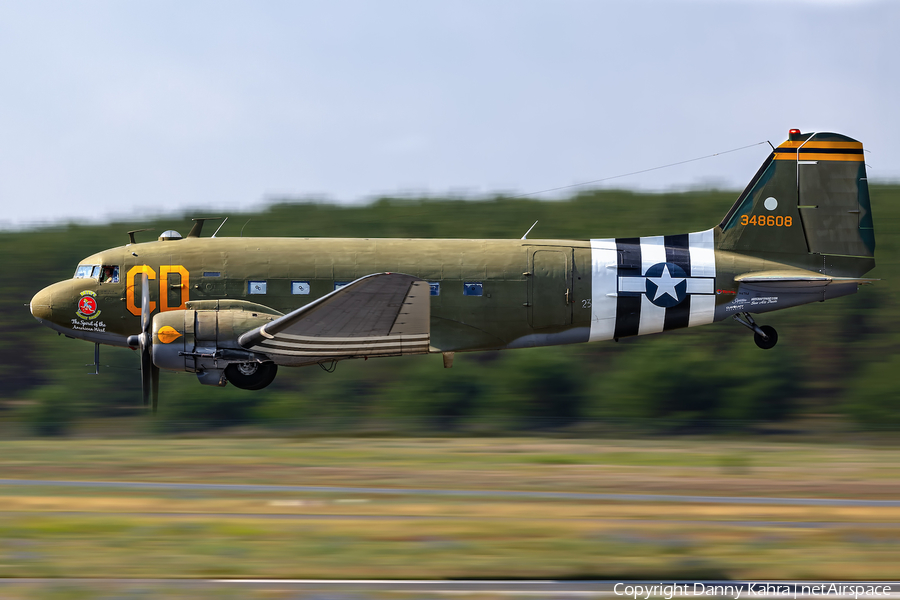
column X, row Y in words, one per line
column 382, row 314
column 790, row 276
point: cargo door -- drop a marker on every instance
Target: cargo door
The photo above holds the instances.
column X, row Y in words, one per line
column 551, row 285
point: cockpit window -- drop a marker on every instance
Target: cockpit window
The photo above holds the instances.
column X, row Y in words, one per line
column 109, row 274
column 105, row 273
column 87, row 271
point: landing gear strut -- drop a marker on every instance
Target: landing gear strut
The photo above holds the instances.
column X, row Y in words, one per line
column 765, row 337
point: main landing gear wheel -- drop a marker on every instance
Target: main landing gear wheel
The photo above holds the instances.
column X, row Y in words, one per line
column 770, row 339
column 765, row 337
column 251, row 375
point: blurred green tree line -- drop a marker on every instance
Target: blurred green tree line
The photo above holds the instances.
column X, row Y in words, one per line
column 836, row 359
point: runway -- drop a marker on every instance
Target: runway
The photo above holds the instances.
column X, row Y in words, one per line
column 312, row 489
column 384, row 586
column 766, row 524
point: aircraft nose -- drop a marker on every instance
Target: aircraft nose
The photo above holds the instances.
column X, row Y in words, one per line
column 41, row 306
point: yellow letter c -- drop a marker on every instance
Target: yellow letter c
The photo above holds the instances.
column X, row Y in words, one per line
column 130, row 285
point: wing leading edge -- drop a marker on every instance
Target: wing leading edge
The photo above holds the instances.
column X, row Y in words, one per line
column 382, row 314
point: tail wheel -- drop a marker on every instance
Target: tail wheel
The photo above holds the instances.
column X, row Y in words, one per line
column 770, row 339
column 251, row 375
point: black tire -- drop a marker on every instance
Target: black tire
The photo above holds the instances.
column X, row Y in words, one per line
column 769, row 341
column 251, row 375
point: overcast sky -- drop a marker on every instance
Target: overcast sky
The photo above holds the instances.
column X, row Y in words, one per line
column 111, row 108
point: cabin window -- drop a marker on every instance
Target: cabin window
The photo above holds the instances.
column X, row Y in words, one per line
column 212, row 273
column 300, row 287
column 87, row 271
column 109, row 274
column 435, row 287
column 257, row 287
column 473, row 288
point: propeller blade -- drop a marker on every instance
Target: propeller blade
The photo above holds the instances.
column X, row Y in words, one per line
column 145, row 303
column 154, row 386
column 149, row 371
column 147, row 368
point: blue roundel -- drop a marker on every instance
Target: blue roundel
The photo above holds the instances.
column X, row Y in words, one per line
column 666, row 284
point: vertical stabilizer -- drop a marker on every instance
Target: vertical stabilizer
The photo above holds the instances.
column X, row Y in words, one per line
column 809, row 201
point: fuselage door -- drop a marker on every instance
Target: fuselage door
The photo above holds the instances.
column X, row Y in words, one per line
column 551, row 288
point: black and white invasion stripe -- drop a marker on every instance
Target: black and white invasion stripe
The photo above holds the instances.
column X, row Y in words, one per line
column 652, row 284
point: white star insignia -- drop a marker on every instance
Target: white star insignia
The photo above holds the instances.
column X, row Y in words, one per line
column 665, row 284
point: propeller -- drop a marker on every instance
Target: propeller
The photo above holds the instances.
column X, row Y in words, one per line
column 144, row 341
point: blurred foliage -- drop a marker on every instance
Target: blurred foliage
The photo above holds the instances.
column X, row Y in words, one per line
column 722, row 382
column 873, row 397
column 835, row 358
column 51, row 412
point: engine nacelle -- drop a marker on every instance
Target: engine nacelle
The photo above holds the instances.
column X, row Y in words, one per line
column 204, row 340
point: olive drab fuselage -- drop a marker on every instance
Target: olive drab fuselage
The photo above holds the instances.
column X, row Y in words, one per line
column 484, row 293
column 520, row 293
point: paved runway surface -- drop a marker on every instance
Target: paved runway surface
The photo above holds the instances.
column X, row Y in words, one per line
column 237, row 487
column 877, row 525
column 525, row 588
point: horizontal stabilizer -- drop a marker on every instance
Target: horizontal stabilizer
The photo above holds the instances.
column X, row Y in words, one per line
column 788, row 276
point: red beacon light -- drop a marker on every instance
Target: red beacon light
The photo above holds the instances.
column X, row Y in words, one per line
column 794, row 134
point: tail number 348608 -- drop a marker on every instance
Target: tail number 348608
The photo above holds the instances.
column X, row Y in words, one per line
column 767, row 220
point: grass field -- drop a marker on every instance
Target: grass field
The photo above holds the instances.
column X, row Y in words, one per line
column 94, row 532
column 712, row 466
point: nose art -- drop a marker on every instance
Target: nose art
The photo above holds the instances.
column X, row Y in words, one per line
column 40, row 305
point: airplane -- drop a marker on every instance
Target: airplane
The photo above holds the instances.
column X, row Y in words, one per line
column 235, row 309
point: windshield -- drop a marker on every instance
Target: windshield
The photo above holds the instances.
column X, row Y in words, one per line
column 87, row 272
column 105, row 273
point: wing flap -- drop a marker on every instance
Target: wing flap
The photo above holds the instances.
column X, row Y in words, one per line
column 382, row 314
